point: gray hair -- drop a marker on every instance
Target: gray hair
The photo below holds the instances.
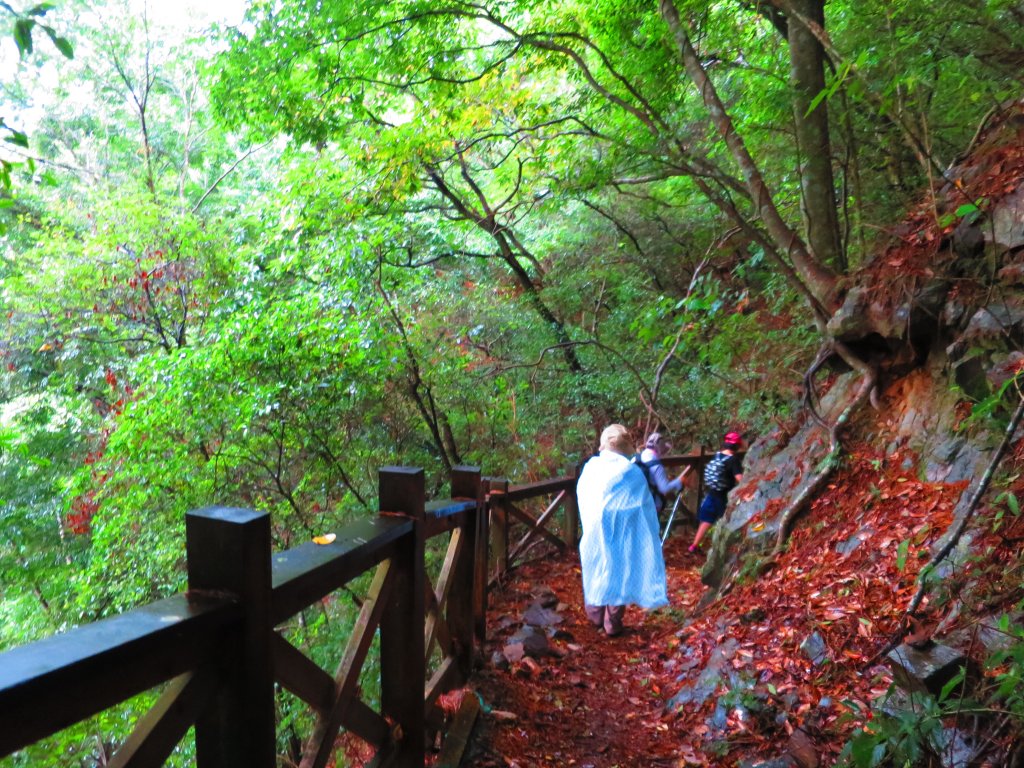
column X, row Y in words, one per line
column 616, row 438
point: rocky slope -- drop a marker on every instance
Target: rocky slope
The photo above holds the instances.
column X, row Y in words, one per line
column 940, row 314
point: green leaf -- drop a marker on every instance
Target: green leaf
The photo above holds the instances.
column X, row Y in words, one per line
column 61, row 43
column 41, row 10
column 17, row 138
column 1013, row 504
column 953, row 683
column 23, row 35
column 901, row 554
column 64, row 46
column 866, row 751
column 966, row 208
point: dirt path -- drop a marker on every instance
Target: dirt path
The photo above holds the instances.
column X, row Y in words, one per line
column 792, row 658
column 600, row 701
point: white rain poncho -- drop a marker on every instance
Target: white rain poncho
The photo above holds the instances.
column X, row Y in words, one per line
column 620, row 550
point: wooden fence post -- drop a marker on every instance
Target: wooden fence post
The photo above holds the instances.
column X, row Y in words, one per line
column 481, row 560
column 571, row 507
column 463, row 596
column 229, row 551
column 700, row 480
column 403, row 668
column 499, row 525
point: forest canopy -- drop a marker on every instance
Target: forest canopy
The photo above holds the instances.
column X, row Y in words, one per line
column 249, row 265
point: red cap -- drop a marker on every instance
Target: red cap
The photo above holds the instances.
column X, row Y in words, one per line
column 733, row 438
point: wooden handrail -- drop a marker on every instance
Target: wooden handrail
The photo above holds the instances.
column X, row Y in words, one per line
column 306, row 573
column 53, row 683
column 540, row 488
column 217, row 647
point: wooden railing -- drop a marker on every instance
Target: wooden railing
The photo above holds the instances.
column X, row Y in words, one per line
column 218, row 655
column 524, row 516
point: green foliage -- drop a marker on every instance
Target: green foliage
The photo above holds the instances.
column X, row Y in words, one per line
column 909, row 726
column 25, row 23
column 1007, row 665
column 38, row 440
column 903, row 738
column 454, row 203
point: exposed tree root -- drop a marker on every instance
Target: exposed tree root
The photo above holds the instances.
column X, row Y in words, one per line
column 835, row 449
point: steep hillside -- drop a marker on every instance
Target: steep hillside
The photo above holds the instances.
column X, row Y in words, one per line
column 816, row 617
column 798, row 650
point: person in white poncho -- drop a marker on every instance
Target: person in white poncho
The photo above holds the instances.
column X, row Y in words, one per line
column 620, row 550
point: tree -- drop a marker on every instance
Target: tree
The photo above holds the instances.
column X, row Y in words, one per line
column 25, row 23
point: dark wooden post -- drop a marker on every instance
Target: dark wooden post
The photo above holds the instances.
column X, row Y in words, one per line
column 481, row 560
column 462, row 598
column 229, row 551
column 571, row 506
column 700, row 479
column 499, row 525
column 403, row 668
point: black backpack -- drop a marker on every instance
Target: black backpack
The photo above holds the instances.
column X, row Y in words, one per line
column 716, row 473
column 645, row 467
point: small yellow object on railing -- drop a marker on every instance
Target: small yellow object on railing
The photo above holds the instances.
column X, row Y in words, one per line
column 326, row 538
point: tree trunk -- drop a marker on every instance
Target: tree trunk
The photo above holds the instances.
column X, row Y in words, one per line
column 818, row 278
column 817, row 183
column 509, row 255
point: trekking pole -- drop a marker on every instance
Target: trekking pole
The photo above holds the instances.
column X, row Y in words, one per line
column 675, row 508
column 668, row 525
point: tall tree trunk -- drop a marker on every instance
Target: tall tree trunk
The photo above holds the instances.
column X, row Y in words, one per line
column 818, row 278
column 817, row 183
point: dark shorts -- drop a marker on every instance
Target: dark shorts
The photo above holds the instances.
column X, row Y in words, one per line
column 711, row 509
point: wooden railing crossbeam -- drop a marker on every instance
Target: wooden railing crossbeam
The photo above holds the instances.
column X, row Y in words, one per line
column 298, row 673
column 435, row 629
column 438, row 598
column 442, row 680
column 158, row 732
column 357, row 717
column 539, row 529
column 535, row 529
column 303, row 575
column 320, row 746
column 56, row 682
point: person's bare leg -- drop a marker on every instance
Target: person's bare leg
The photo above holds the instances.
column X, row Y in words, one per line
column 613, row 619
column 701, row 530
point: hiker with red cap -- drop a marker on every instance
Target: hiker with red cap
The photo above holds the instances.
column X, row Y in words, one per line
column 722, row 473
